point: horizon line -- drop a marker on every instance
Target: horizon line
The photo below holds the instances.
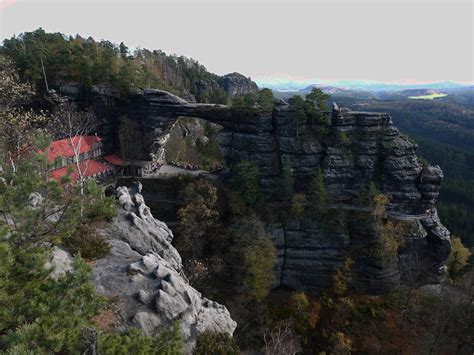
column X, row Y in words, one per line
column 288, row 78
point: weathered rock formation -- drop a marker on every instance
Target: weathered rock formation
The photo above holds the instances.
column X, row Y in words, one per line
column 235, row 84
column 143, row 272
column 356, row 148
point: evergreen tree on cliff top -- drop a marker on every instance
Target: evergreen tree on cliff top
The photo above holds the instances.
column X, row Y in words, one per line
column 316, row 107
column 84, row 61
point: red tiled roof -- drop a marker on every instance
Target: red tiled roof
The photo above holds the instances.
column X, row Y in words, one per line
column 64, row 148
column 114, row 159
column 88, row 168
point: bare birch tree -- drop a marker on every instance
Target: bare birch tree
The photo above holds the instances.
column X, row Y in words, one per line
column 281, row 340
column 73, row 125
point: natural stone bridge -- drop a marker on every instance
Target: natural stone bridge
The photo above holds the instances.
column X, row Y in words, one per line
column 358, row 148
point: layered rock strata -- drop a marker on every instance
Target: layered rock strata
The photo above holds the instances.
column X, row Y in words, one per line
column 353, row 149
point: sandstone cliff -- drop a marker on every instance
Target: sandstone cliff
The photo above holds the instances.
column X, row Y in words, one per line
column 358, row 148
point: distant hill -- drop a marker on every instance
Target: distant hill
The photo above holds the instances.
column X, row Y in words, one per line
column 358, row 85
column 334, row 91
column 459, row 94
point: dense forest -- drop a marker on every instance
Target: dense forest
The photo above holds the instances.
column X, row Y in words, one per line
column 55, row 61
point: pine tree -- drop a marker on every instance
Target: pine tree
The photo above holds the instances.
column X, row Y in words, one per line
column 266, row 100
column 245, row 182
column 316, row 107
column 298, row 114
column 287, row 182
column 317, row 195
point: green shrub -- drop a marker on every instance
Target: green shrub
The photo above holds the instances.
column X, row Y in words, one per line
column 135, row 342
column 104, row 209
column 97, row 206
column 343, row 138
column 131, row 342
column 40, row 315
column 210, row 150
column 86, row 242
column 209, row 343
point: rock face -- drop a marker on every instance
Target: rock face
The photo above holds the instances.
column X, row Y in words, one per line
column 353, row 150
column 235, row 84
column 143, row 271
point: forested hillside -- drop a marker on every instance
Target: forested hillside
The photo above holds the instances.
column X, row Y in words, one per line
column 85, row 62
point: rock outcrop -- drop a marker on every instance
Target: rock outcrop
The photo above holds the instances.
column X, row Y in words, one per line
column 143, row 272
column 235, row 84
column 353, row 150
column 60, row 263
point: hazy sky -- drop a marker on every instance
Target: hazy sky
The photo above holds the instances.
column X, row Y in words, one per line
column 384, row 40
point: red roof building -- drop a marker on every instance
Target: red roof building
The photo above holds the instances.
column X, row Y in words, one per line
column 89, row 169
column 91, row 162
column 114, row 159
column 65, row 148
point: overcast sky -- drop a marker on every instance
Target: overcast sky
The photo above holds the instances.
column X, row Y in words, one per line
column 383, row 40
